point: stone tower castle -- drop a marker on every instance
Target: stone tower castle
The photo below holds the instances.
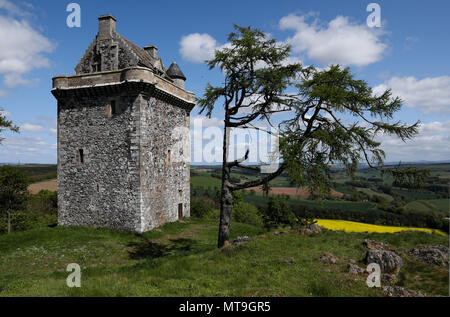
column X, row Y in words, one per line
column 123, row 137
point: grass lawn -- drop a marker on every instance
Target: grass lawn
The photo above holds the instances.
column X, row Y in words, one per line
column 181, row 259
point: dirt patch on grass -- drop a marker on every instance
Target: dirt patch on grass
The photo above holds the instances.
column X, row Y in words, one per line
column 302, row 192
column 51, row 185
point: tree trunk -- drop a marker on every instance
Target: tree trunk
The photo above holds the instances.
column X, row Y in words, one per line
column 226, row 204
column 226, row 197
column 9, row 221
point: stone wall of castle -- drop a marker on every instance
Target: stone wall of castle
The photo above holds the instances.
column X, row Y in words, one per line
column 133, row 169
column 165, row 155
column 98, row 162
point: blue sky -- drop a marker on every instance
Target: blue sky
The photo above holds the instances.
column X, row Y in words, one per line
column 408, row 53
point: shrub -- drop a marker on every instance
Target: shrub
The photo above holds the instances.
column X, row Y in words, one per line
column 278, row 213
column 246, row 213
column 44, row 202
column 201, row 207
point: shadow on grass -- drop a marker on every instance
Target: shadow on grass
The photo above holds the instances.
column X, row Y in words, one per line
column 151, row 250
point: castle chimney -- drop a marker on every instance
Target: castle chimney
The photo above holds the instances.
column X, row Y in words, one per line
column 106, row 26
column 152, row 50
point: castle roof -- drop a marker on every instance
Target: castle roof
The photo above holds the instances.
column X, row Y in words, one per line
column 128, row 53
column 174, row 71
column 144, row 58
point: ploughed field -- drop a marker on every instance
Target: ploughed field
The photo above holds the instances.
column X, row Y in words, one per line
column 302, row 192
column 51, row 185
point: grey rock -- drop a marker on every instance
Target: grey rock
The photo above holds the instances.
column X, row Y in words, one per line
column 433, row 254
column 328, row 258
column 388, row 278
column 371, row 244
column 389, row 261
column 398, row 291
column 310, row 229
column 355, row 269
column 290, row 260
column 241, row 239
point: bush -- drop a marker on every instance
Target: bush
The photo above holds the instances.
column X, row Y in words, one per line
column 21, row 221
column 44, row 202
column 246, row 213
column 201, row 207
column 278, row 213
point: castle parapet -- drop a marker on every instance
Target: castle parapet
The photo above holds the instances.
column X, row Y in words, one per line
column 117, row 77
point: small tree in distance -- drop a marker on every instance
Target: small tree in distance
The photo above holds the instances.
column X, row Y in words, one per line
column 13, row 190
column 315, row 135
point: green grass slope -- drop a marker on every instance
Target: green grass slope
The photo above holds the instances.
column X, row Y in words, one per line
column 181, row 259
column 429, row 205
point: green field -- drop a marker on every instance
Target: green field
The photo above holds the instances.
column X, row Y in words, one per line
column 371, row 192
column 439, row 205
column 181, row 259
column 414, row 194
column 205, row 181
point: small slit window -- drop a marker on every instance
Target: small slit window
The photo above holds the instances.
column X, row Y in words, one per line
column 111, row 109
column 80, row 156
column 180, row 211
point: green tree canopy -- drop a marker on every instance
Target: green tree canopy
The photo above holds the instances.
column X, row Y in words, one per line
column 13, row 190
column 6, row 124
column 332, row 118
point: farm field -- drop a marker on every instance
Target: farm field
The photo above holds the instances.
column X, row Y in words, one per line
column 302, row 192
column 51, row 185
column 369, row 191
column 351, row 226
column 440, row 205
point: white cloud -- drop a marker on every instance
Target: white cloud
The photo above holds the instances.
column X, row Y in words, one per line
column 11, row 8
column 198, row 47
column 340, row 42
column 432, row 143
column 431, row 94
column 30, row 127
column 27, row 148
column 22, row 48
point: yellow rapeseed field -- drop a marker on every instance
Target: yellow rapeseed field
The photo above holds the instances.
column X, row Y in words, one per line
column 350, row 226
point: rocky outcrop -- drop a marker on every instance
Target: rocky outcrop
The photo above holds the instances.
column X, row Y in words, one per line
column 389, row 261
column 371, row 244
column 398, row 291
column 355, row 269
column 240, row 240
column 310, row 229
column 385, row 256
column 329, row 258
column 432, row 254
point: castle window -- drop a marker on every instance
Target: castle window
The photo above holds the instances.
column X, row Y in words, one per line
column 169, row 157
column 111, row 109
column 180, row 211
column 80, row 156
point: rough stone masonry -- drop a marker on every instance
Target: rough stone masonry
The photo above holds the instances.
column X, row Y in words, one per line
column 123, row 137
